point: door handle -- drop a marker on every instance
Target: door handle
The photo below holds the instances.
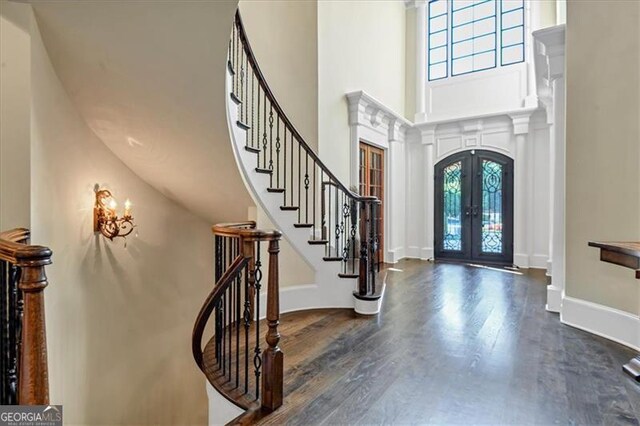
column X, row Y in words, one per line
column 475, row 210
column 467, row 211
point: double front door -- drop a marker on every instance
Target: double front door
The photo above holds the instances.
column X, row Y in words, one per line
column 474, row 208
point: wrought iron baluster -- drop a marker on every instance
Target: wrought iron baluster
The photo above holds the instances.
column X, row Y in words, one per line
column 313, row 199
column 246, row 89
column 264, row 130
column 253, row 111
column 354, row 224
column 306, row 189
column 257, row 360
column 247, row 322
column 241, row 86
column 292, row 173
column 277, row 151
column 346, row 211
column 337, row 217
column 238, row 319
column 270, row 142
column 284, row 165
column 299, row 179
column 15, row 318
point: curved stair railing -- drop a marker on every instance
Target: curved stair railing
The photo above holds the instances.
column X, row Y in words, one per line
column 234, row 360
column 345, row 223
column 23, row 363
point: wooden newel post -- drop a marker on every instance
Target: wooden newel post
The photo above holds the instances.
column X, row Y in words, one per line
column 33, row 388
column 272, row 357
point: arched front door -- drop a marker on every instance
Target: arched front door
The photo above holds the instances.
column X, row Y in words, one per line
column 474, row 207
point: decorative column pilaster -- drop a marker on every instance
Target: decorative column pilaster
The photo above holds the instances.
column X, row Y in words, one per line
column 421, row 60
column 428, row 141
column 550, row 60
column 521, row 231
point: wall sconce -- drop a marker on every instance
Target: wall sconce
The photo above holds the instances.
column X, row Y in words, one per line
column 105, row 219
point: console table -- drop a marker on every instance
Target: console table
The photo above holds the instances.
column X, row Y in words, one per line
column 625, row 254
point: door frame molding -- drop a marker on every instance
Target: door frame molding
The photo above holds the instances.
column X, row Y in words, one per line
column 384, row 129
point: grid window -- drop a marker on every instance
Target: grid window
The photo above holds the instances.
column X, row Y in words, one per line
column 473, row 36
column 512, row 32
column 466, row 36
column 438, row 40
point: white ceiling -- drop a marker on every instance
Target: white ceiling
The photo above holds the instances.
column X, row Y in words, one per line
column 148, row 78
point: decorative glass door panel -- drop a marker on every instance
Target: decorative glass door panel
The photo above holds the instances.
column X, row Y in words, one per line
column 474, row 207
column 452, row 211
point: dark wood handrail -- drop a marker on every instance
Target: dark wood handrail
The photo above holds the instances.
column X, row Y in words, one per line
column 272, row 99
column 234, row 304
column 33, row 380
column 207, row 307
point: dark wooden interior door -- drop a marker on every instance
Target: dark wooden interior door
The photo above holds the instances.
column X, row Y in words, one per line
column 372, row 182
column 474, row 207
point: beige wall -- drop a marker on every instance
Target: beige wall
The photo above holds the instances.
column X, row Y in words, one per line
column 15, row 99
column 284, row 38
column 603, row 147
column 360, row 47
column 119, row 318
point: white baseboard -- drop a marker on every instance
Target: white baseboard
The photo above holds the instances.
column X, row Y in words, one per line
column 538, row 261
column 554, row 299
column 549, row 268
column 521, row 260
column 394, row 255
column 426, row 253
column 613, row 324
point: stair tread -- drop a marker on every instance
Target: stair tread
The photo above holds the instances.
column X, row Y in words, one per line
column 243, row 125
column 318, row 242
column 332, row 259
column 289, row 208
column 276, row 190
column 261, row 170
column 252, row 149
column 341, row 275
column 230, row 67
column 303, row 225
column 235, row 99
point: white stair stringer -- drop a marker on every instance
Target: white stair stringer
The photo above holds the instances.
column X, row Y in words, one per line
column 328, row 290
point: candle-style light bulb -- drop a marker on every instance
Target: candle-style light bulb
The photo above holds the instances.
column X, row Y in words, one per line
column 127, row 208
column 113, row 204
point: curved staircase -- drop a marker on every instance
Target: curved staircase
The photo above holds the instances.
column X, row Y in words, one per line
column 333, row 228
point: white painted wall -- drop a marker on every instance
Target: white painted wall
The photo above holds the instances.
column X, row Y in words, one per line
column 15, row 105
column 119, row 319
column 360, row 47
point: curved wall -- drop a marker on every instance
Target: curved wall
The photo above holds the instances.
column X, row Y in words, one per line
column 148, row 79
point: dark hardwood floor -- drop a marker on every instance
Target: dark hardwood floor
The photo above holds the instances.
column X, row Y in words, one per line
column 453, row 344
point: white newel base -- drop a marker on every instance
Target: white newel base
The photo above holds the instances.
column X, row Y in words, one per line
column 368, row 306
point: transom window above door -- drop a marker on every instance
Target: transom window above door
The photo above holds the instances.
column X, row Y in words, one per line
column 465, row 36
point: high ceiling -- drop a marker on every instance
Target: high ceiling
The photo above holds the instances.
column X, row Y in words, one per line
column 149, row 81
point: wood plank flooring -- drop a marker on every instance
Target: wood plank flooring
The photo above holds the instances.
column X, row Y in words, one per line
column 454, row 344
